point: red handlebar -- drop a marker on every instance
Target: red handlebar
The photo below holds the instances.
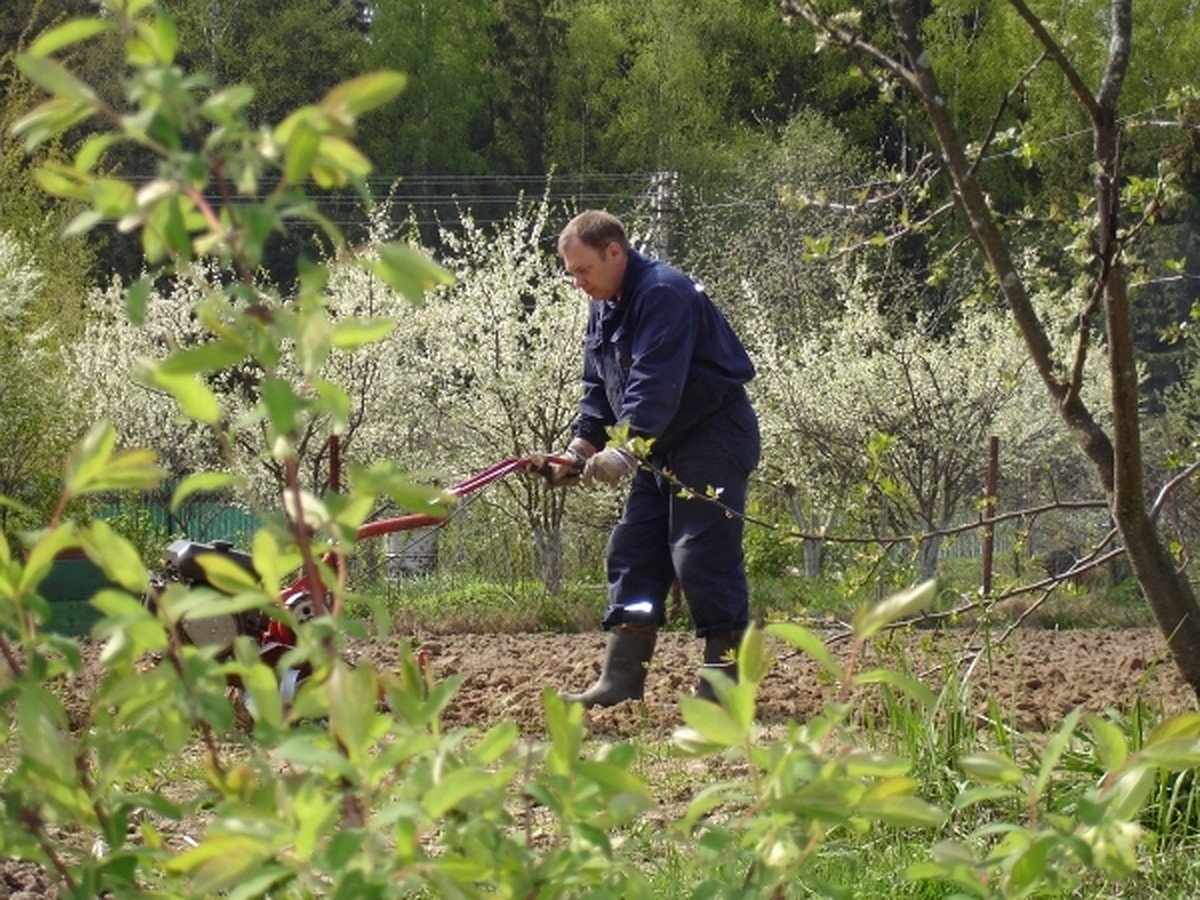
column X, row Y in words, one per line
column 421, row 520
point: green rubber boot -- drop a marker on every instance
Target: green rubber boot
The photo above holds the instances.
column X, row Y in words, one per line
column 720, row 655
column 624, row 675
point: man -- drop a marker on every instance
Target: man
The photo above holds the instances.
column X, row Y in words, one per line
column 661, row 359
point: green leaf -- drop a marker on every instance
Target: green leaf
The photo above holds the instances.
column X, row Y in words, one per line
column 50, row 119
column 1029, row 867
column 713, row 723
column 1185, row 724
column 991, row 768
column 613, row 779
column 364, row 93
column 220, row 106
column 63, row 181
column 809, row 643
column 971, row 796
column 136, row 299
column 192, row 395
column 112, row 198
column 385, row 479
column 350, row 334
column 902, row 812
column 862, row 763
column 352, row 708
column 408, row 271
column 224, row 574
column 201, row 481
column 211, row 356
column 906, row 683
column 1111, row 748
column 271, row 562
column 41, row 557
column 42, row 730
column 261, row 883
column 281, row 403
column 1172, row 753
column 302, row 145
column 220, row 862
column 68, row 33
column 90, row 455
column 92, row 466
column 53, row 77
column 338, row 161
column 498, row 740
column 160, row 38
column 1054, row 750
column 114, row 555
column 896, row 607
column 262, row 686
column 315, row 810
column 1129, row 792
column 455, row 787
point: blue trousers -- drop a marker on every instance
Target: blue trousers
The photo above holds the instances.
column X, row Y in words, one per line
column 662, row 536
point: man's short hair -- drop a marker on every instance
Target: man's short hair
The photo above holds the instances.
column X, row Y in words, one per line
column 595, row 228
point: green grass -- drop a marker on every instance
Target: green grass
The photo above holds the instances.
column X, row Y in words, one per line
column 449, row 602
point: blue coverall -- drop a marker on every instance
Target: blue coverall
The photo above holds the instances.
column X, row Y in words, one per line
column 665, row 360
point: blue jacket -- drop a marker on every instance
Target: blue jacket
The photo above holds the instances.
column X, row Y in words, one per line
column 661, row 358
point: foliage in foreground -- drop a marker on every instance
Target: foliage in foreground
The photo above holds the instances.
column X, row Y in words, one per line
column 164, row 786
column 356, row 790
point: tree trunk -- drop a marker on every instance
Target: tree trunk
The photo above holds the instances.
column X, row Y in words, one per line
column 549, row 546
column 1116, row 460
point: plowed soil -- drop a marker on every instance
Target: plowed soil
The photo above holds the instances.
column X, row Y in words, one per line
column 1036, row 677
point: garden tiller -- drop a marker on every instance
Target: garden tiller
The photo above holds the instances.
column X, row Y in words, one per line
column 183, row 563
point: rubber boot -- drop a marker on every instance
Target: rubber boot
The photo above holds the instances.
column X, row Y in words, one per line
column 720, row 655
column 624, row 675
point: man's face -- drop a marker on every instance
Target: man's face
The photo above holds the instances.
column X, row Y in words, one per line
column 598, row 273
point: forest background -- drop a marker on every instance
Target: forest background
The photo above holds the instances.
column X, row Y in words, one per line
column 794, row 184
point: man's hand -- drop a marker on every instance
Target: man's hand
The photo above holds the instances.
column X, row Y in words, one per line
column 610, row 465
column 568, row 473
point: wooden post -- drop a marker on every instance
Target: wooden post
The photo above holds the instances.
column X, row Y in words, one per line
column 989, row 512
column 335, row 463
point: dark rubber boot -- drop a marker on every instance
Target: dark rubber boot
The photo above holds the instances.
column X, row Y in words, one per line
column 624, row 675
column 720, row 655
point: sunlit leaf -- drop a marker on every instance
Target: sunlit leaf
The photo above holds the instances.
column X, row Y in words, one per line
column 41, row 558
column 454, row 788
column 114, row 555
column 408, row 271
column 364, row 93
column 193, row 396
column 808, row 642
column 136, row 299
column 894, row 608
column 53, row 77
column 211, row 356
column 1054, row 750
column 906, row 683
column 200, row 481
column 991, row 768
column 68, row 33
column 350, row 334
column 302, row 145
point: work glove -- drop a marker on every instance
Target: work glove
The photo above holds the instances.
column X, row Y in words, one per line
column 565, row 474
column 609, row 466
